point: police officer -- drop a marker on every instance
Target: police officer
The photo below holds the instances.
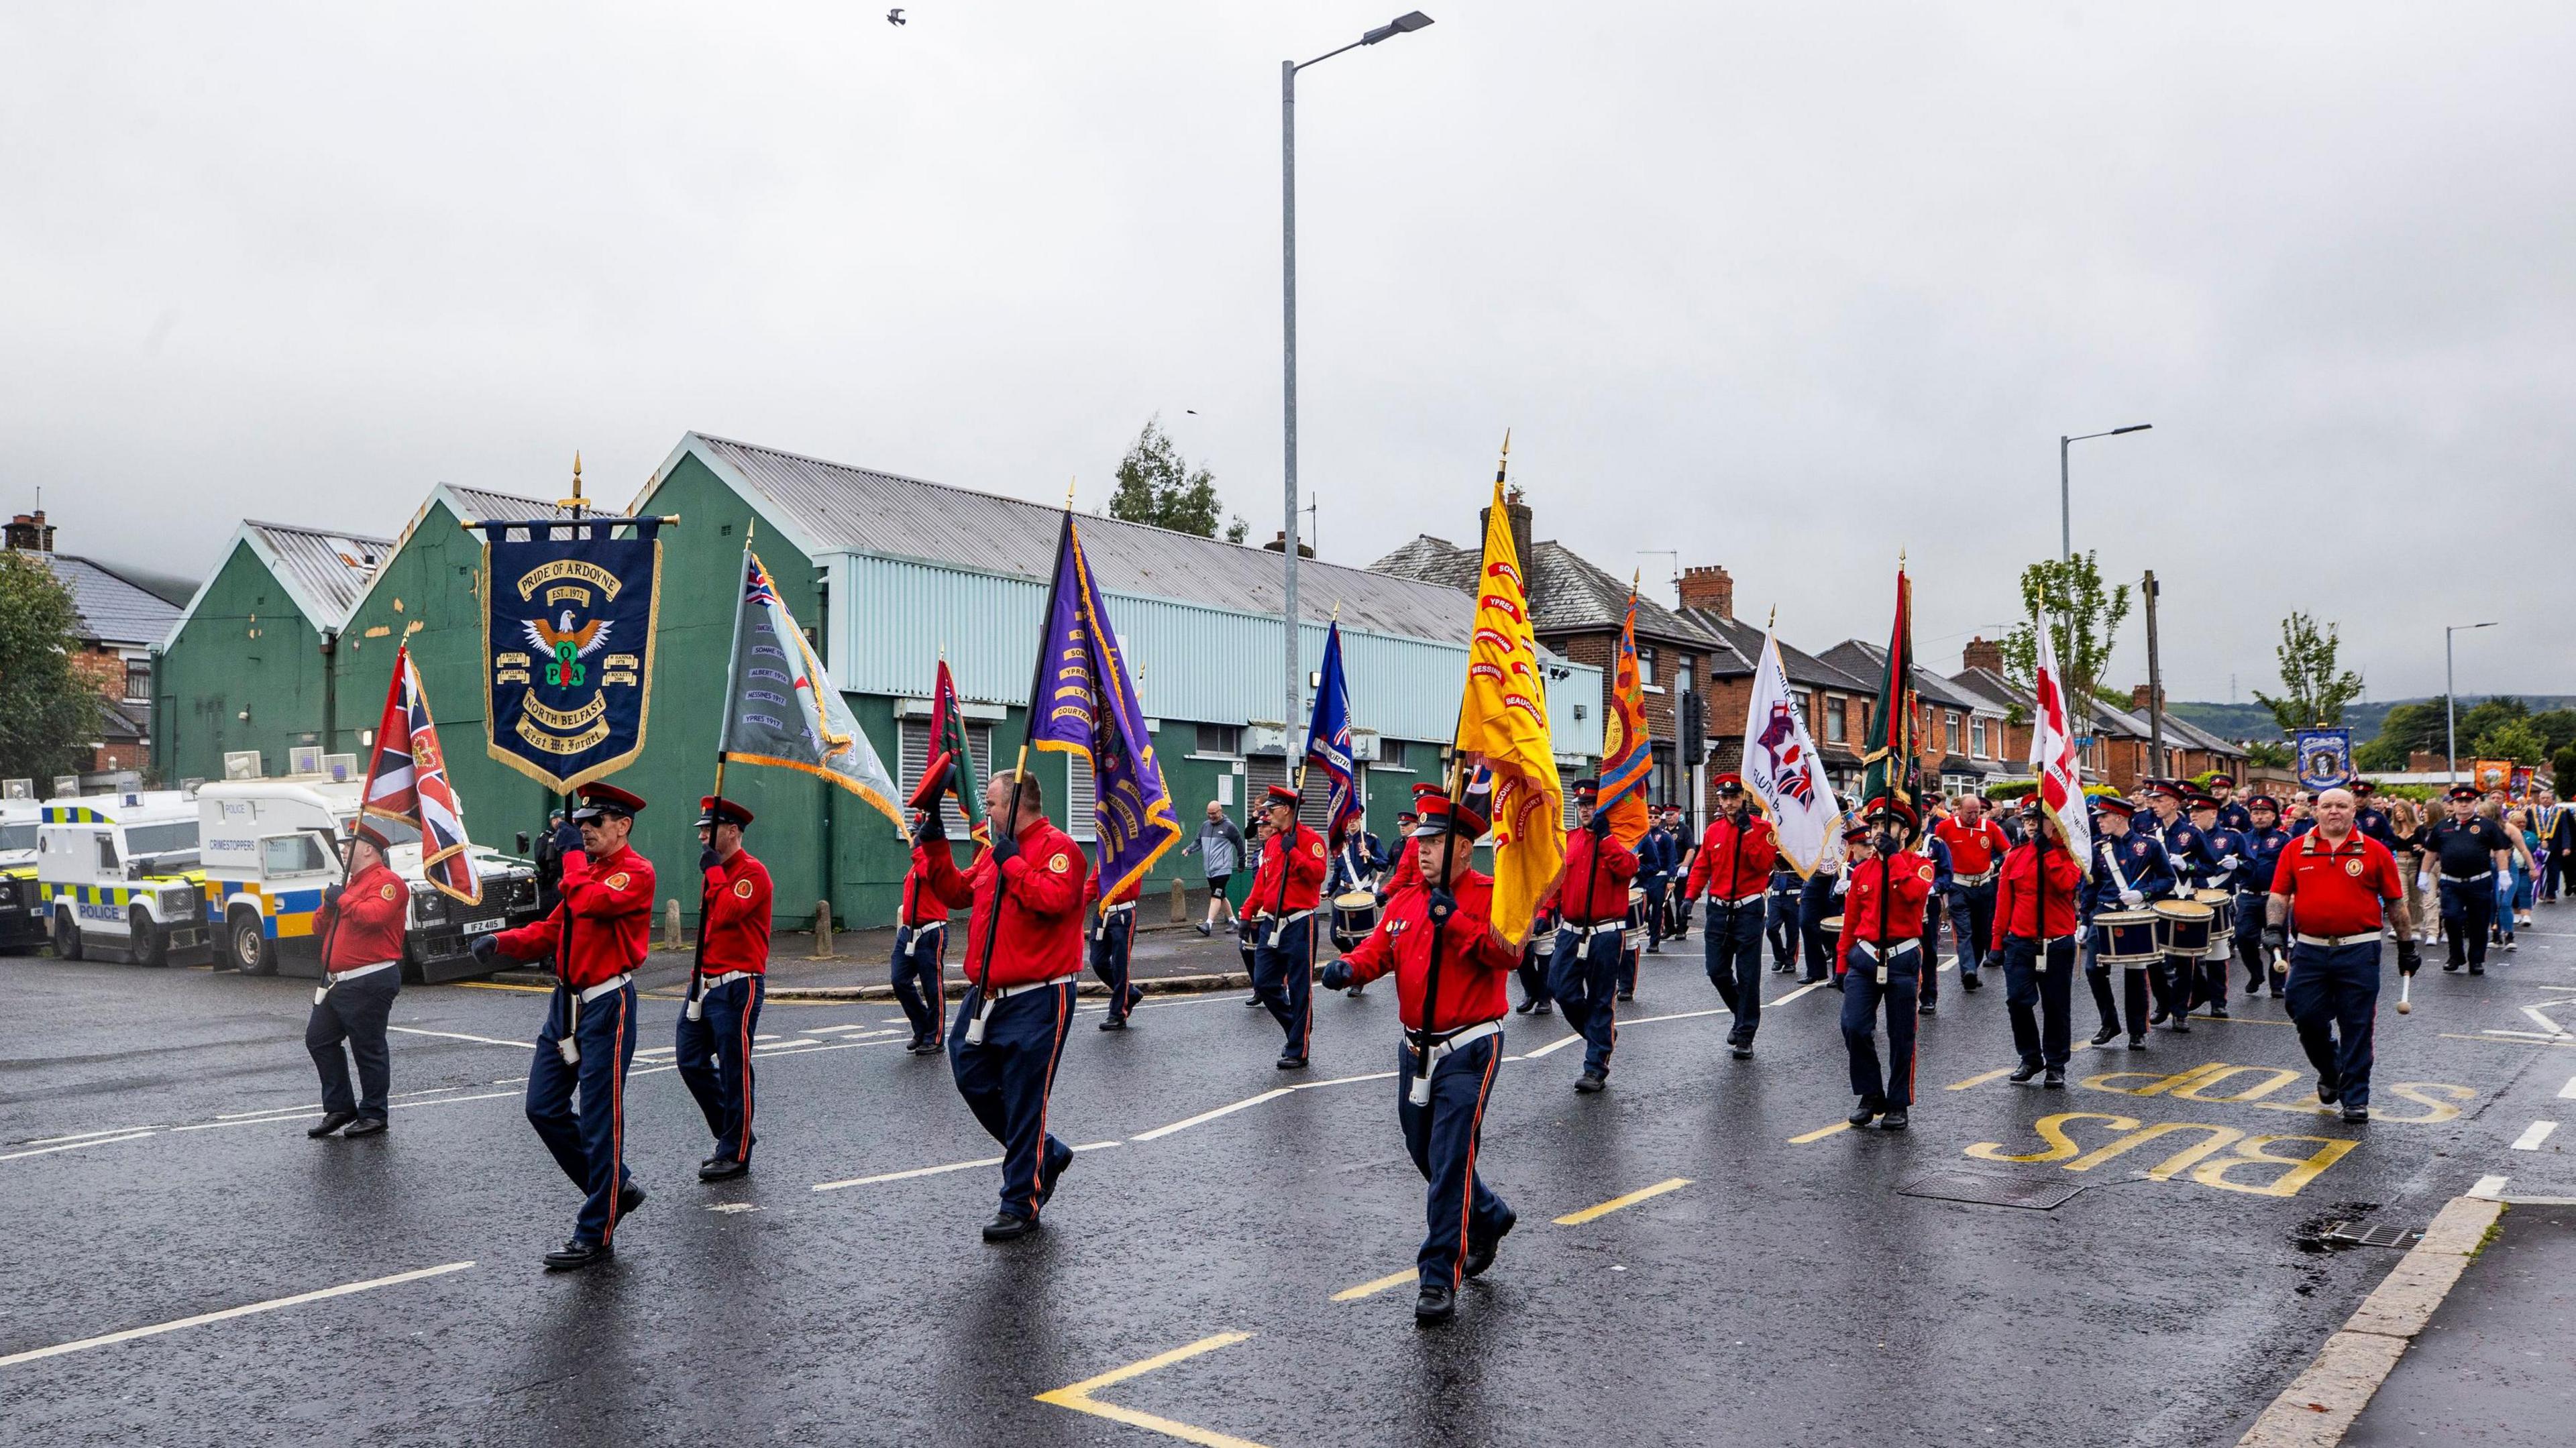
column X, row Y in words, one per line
column 2262, row 850
column 1592, row 900
column 2129, row 869
column 2344, row 887
column 1657, row 853
column 2468, row 851
column 722, row 1017
column 2232, row 851
column 921, row 954
column 1023, row 956
column 1976, row 845
column 1282, row 902
column 1447, row 910
column 598, row 936
column 2034, row 928
column 1733, row 864
column 1882, row 961
column 1113, row 938
column 361, row 925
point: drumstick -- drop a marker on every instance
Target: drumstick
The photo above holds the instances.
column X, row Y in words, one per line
column 2405, row 986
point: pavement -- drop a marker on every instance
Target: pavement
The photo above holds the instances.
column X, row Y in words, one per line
column 2495, row 1366
column 1705, row 1254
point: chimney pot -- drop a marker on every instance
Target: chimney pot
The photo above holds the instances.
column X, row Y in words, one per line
column 1982, row 653
column 2138, row 698
column 1709, row 587
column 1279, row 544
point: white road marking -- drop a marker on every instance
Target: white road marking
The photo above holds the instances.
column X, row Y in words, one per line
column 905, row 1176
column 1204, row 1117
column 461, row 1036
column 2533, row 1135
column 2488, row 1188
column 1098, row 1145
column 452, row 1100
column 2518, row 1035
column 271, row 1111
column 74, row 1146
column 1347, row 1080
column 2554, row 1029
column 78, row 1135
column 2568, row 1091
column 731, row 1207
column 201, row 1319
column 1793, row 995
column 1558, row 1044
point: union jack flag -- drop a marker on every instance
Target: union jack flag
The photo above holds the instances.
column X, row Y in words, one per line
column 407, row 781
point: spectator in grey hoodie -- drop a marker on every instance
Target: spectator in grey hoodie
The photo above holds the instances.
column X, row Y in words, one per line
column 1220, row 848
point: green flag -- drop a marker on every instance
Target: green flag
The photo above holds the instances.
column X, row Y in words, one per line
column 948, row 736
column 1894, row 752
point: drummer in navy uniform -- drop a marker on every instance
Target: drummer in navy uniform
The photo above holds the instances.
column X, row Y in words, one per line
column 1819, row 899
column 2368, row 820
column 1592, row 900
column 2129, row 871
column 2187, row 854
column 1780, row 920
column 2468, row 852
column 1358, row 863
column 1930, row 847
column 2262, row 850
column 1657, row 853
column 2233, row 813
column 2230, row 848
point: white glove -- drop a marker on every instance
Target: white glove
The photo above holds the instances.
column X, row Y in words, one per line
column 1841, row 885
column 2424, row 882
column 2232, row 862
column 2132, row 899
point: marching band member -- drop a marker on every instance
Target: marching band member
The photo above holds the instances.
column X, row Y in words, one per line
column 2345, row 887
column 2233, row 813
column 2368, row 819
column 2187, row 856
column 599, row 932
column 1882, row 960
column 1780, row 920
column 2231, row 849
column 1592, row 899
column 2037, row 950
column 1976, row 845
column 1113, row 943
column 1448, row 910
column 1733, row 863
column 712, row 1049
column 1537, row 949
column 1657, row 853
column 1939, row 854
column 1359, row 863
column 2129, row 869
column 921, row 956
column 1284, row 895
column 361, row 923
column 1821, row 898
column 2262, row 850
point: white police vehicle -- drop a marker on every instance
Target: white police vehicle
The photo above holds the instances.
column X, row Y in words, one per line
column 22, row 906
column 119, row 877
column 271, row 846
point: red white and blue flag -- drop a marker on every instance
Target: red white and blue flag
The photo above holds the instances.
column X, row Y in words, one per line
column 1328, row 739
column 407, row 781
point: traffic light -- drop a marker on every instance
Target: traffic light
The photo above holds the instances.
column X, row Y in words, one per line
column 1694, row 729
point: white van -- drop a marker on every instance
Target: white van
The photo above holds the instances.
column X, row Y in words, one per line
column 119, row 877
column 271, row 846
column 22, row 906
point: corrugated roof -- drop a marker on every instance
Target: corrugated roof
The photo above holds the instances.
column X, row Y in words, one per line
column 112, row 610
column 328, row 570
column 484, row 503
column 829, row 506
column 1568, row 592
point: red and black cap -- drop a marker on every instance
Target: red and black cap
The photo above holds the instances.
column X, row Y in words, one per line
column 1279, row 794
column 2199, row 799
column 2262, row 801
column 2170, row 789
column 2112, row 804
column 367, row 831
column 1436, row 810
column 606, row 801
column 714, row 811
column 1856, row 834
column 2362, row 788
column 2461, row 791
column 1587, row 791
column 934, row 781
column 1728, row 783
column 1891, row 809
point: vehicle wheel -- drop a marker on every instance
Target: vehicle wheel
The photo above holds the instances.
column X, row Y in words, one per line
column 145, row 944
column 248, row 941
column 67, row 936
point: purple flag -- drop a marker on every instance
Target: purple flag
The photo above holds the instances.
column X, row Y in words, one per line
column 1084, row 703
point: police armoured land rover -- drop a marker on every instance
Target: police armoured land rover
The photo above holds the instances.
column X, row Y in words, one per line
column 22, row 908
column 119, row 877
column 271, row 846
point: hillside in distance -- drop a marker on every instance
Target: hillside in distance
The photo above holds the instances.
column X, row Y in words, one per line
column 2253, row 721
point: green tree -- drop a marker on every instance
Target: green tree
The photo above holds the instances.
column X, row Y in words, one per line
column 2084, row 619
column 2562, row 767
column 2268, row 754
column 2513, row 739
column 2312, row 691
column 2408, row 728
column 48, row 713
column 1157, row 485
column 2558, row 726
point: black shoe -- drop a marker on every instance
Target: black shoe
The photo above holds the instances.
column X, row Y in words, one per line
column 1969, row 979
column 1627, row 995
column 2217, row 1012
column 1813, row 979
column 1288, row 1062
column 1838, row 982
column 1480, row 1254
column 1864, row 1116
column 1545, row 1008
column 629, row 1197
column 576, row 1254
column 1113, row 1023
column 1893, row 1121
column 1253, row 1002
column 2055, row 1080
column 2253, row 989
column 2355, row 1115
column 2477, row 970
column 1590, row 1082
column 1928, row 1008
column 2023, row 1073
column 1654, row 950
column 1524, row 1008
column 365, row 1126
column 722, row 1169
column 2328, row 1094
column 1008, row 1227
column 2179, row 1026
column 2449, row 966
column 331, row 1123
column 931, row 1048
column 1355, row 991
column 1435, row 1303
column 2104, row 1036
column 2137, row 1043
column 1743, row 1050
column 2158, row 1018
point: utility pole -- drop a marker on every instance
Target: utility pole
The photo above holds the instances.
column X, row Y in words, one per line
column 2155, row 682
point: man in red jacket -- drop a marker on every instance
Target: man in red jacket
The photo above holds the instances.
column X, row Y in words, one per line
column 1282, row 904
column 1976, row 846
column 723, row 1014
column 1023, row 955
column 1592, row 898
column 1733, row 864
column 2033, row 930
column 361, row 925
column 1882, row 961
column 921, row 960
column 597, row 935
column 1461, row 1025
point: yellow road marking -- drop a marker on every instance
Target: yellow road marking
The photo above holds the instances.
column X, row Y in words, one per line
column 503, row 985
column 1577, row 1219
column 1078, row 1397
column 1371, row 1289
column 1820, row 1134
column 1980, row 1079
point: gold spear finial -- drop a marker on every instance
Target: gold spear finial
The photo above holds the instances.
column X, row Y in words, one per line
column 575, row 501
column 1068, row 493
column 1775, row 619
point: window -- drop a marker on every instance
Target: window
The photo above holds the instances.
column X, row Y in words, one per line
column 290, row 855
column 1645, row 665
column 1220, row 739
column 1390, row 754
column 1950, row 731
column 161, row 839
column 1837, row 726
column 912, row 751
column 1977, row 738
column 1081, row 801
column 106, row 853
column 18, row 837
column 138, row 680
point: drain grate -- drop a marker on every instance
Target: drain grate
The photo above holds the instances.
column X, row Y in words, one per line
column 2363, row 1234
column 1988, row 1189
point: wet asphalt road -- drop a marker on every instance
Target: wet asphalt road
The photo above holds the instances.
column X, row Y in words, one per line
column 153, row 1167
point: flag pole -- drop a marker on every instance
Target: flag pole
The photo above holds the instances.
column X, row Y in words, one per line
column 1020, row 766
column 696, row 1006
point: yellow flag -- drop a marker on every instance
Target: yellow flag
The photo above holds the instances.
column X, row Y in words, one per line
column 1502, row 726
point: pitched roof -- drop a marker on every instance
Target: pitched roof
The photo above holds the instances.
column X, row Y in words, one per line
column 1869, row 661
column 1568, row 592
column 326, row 571
column 1992, row 690
column 825, row 507
column 112, row 609
column 1745, row 642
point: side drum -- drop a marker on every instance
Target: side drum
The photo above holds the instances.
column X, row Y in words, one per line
column 1354, row 916
column 2222, row 915
column 2182, row 927
column 2126, row 938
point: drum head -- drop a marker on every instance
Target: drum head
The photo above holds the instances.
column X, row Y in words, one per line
column 1355, row 900
column 2214, row 898
column 2183, row 910
column 1832, row 925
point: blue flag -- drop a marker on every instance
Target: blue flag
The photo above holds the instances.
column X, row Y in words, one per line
column 1082, row 702
column 568, row 644
column 2325, row 758
column 1328, row 738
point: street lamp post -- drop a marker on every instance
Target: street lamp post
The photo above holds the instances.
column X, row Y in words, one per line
column 2450, row 701
column 2065, row 513
column 1400, row 25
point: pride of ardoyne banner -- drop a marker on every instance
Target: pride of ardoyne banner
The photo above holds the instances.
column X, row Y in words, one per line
column 1082, row 702
column 568, row 643
column 2325, row 758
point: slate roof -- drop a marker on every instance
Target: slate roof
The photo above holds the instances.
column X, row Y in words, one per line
column 1804, row 669
column 112, row 609
column 1993, row 691
column 1569, row 594
column 1869, row 661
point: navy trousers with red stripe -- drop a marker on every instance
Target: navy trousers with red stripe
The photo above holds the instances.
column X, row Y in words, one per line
column 1111, row 945
column 1581, row 976
column 588, row 1140
column 1892, row 1090
column 1283, row 976
column 1006, row 1081
column 714, row 1057
column 920, row 977
column 1442, row 1138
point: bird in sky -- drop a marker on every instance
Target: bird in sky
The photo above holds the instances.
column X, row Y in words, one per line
column 895, row 16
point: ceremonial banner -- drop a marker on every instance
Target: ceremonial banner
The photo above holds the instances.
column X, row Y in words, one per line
column 2053, row 758
column 781, row 708
column 1627, row 753
column 1328, row 738
column 1502, row 726
column 948, row 736
column 2489, row 774
column 568, row 628
column 2524, row 778
column 407, row 783
column 1084, row 703
column 1893, row 757
column 1783, row 774
column 2325, row 758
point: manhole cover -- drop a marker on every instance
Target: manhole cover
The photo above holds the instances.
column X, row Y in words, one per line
column 1985, row 1190
column 2363, row 1234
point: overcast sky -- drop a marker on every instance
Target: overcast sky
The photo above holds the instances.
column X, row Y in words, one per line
column 1786, row 287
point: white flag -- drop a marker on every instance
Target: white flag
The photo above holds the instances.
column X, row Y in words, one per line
column 1785, row 774
column 2052, row 755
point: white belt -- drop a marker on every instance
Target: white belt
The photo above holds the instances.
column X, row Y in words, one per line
column 926, row 927
column 2468, row 879
column 2331, row 942
column 1756, row 898
column 1956, row 880
column 1456, row 1040
column 1898, row 948
column 1120, row 908
column 1598, row 927
column 338, row 976
column 1008, row 991
column 605, row 986
column 1282, row 922
column 570, row 1046
column 714, row 982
